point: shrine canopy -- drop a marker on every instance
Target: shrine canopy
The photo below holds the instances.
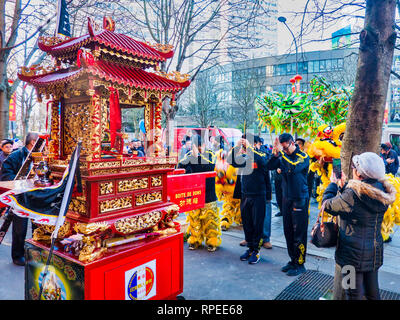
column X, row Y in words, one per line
column 110, row 56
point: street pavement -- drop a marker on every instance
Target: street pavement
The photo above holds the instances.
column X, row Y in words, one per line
column 221, row 275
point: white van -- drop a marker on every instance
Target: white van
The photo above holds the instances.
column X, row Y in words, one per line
column 392, row 134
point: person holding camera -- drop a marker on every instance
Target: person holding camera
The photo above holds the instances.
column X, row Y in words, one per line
column 293, row 164
column 361, row 205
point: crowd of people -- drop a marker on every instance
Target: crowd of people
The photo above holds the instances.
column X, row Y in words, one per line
column 359, row 203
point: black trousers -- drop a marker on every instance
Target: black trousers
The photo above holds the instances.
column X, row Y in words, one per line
column 253, row 214
column 19, row 229
column 366, row 284
column 278, row 190
column 295, row 227
column 310, row 182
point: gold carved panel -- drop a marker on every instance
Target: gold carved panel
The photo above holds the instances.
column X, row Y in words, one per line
column 132, row 184
column 138, row 222
column 76, row 126
column 156, row 181
column 115, row 204
column 78, row 206
column 106, row 188
column 146, row 198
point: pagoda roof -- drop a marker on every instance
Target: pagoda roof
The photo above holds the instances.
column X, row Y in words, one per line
column 110, row 39
column 115, row 73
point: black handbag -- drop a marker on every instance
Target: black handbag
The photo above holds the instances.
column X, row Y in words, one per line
column 324, row 234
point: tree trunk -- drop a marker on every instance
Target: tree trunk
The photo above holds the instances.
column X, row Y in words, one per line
column 3, row 102
column 365, row 117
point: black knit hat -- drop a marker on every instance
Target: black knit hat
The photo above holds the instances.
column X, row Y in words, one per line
column 6, row 141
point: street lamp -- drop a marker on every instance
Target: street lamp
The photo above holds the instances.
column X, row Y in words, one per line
column 283, row 20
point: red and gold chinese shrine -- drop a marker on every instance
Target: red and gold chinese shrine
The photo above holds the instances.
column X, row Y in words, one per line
column 91, row 78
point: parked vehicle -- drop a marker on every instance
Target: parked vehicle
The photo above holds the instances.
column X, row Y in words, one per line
column 230, row 135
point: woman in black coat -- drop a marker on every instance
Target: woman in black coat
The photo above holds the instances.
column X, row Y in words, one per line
column 361, row 205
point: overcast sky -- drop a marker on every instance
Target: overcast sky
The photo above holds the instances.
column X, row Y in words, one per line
column 285, row 40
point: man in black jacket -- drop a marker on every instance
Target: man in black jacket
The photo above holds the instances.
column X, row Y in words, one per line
column 204, row 223
column 9, row 171
column 294, row 165
column 251, row 162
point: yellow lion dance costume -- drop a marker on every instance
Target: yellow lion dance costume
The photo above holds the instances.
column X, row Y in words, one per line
column 225, row 182
column 326, row 147
column 204, row 223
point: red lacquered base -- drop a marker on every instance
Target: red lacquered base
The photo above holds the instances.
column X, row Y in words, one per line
column 148, row 269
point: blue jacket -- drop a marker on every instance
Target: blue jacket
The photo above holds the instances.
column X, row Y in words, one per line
column 294, row 169
column 252, row 171
column 13, row 163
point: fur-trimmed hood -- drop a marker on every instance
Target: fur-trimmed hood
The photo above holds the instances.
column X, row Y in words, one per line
column 372, row 191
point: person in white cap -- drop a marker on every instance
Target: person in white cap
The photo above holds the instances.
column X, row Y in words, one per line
column 361, row 205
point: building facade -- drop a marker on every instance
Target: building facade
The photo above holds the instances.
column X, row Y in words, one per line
column 237, row 84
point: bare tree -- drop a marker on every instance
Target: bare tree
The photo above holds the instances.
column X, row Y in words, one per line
column 247, row 84
column 202, row 32
column 347, row 75
column 206, row 109
column 16, row 32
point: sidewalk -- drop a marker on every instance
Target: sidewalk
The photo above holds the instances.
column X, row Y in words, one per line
column 391, row 261
column 221, row 275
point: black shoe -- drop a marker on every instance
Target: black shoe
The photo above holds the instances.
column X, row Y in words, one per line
column 245, row 256
column 255, row 257
column 279, row 214
column 296, row 271
column 19, row 261
column 288, row 267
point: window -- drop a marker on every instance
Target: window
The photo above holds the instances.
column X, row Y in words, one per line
column 269, row 71
column 328, row 65
column 322, row 65
column 289, row 69
column 340, row 64
column 316, row 66
column 311, row 66
column 303, row 67
column 334, row 64
column 281, row 69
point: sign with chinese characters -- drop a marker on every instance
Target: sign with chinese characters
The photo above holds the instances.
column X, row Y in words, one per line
column 188, row 190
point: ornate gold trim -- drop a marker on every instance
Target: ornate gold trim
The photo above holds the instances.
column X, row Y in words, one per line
column 106, row 188
column 130, row 58
column 146, row 198
column 138, row 222
column 164, row 48
column 156, row 181
column 115, row 204
column 132, row 184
